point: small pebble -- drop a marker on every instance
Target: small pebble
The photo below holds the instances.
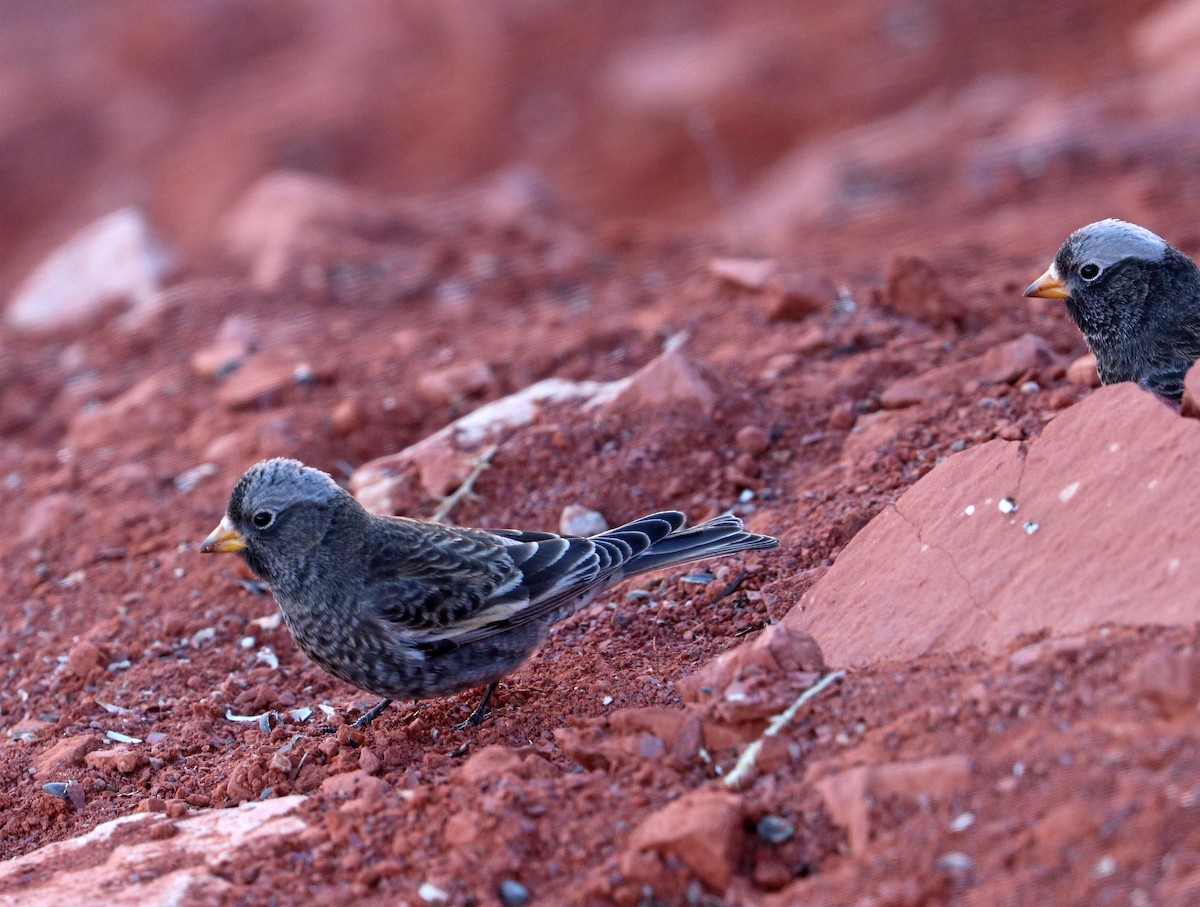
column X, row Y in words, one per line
column 513, row 893
column 775, row 830
column 1008, row 505
column 76, row 795
column 955, row 862
column 56, row 789
column 842, row 417
column 752, row 440
column 431, row 894
column 962, row 822
column 581, row 521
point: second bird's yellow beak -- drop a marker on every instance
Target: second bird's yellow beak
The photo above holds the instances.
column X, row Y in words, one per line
column 225, row 539
column 1049, row 286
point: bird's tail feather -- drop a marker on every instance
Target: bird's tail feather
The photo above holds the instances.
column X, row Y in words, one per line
column 716, row 538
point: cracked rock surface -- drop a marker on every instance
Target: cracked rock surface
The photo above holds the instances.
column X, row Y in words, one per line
column 1091, row 523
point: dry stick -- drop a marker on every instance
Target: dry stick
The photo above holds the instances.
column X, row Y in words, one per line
column 746, row 761
column 452, row 500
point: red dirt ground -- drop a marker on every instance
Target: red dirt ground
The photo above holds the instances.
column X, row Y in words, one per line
column 1080, row 791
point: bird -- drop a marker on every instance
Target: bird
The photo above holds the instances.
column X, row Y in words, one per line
column 1135, row 297
column 408, row 609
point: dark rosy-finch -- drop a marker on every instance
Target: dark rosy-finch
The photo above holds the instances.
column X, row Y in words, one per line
column 1135, row 298
column 407, row 609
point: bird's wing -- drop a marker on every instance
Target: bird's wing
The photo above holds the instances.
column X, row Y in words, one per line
column 442, row 585
column 422, row 577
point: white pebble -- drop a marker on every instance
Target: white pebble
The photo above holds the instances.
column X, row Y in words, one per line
column 267, row 656
column 581, row 521
column 431, row 894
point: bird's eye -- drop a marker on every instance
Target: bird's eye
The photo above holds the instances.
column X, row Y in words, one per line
column 1090, row 271
column 263, row 519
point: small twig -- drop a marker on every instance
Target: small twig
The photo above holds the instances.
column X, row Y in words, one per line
column 453, row 499
column 746, row 761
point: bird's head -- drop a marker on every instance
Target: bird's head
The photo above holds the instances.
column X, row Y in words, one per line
column 1105, row 272
column 278, row 512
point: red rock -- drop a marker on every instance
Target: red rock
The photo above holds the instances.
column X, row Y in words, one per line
column 795, row 297
column 747, row 273
column 113, row 857
column 28, row 729
column 1169, row 680
column 461, row 830
column 123, row 759
column 752, row 440
column 453, row 384
column 86, row 660
column 667, row 381
column 101, row 425
column 46, row 518
column 680, row 731
column 791, row 650
column 236, row 339
column 944, row 568
column 346, row 418
column 1191, row 393
column 1001, row 364
column 872, row 437
column 66, row 754
column 489, row 762
column 1083, row 372
column 355, row 784
column 260, row 379
column 266, row 227
column 1064, row 824
column 915, row 289
column 703, row 829
column 216, row 361
column 643, row 869
column 848, row 794
column 756, row 679
column 842, row 417
column 369, row 762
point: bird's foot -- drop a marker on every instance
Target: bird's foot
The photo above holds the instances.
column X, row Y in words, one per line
column 475, row 719
column 481, row 712
column 371, row 715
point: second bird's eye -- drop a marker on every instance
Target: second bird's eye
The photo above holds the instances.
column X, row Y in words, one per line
column 263, row 519
column 1090, row 271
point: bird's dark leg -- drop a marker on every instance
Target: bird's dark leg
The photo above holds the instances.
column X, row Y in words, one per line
column 481, row 711
column 371, row 715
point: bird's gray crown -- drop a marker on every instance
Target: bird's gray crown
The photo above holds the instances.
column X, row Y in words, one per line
column 1107, row 242
column 279, row 483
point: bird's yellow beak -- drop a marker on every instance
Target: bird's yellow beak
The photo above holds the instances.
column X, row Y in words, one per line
column 225, row 539
column 1049, row 286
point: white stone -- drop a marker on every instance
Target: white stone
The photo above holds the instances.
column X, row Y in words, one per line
column 115, row 258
